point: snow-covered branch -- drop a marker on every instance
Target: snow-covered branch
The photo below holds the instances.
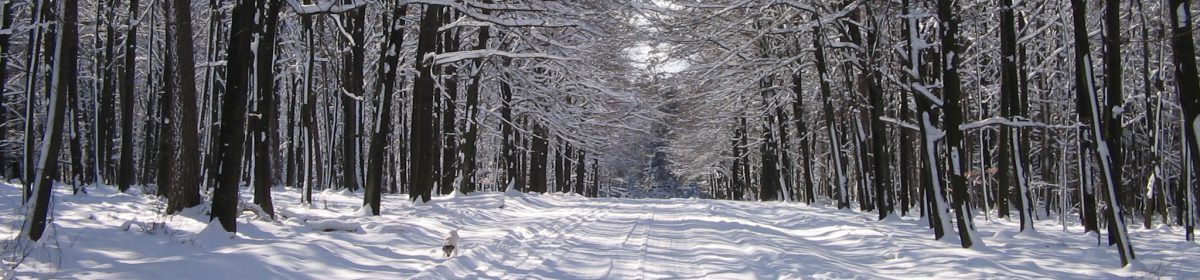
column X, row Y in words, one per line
column 452, row 57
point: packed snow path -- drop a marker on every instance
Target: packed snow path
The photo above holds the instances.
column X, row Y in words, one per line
column 557, row 237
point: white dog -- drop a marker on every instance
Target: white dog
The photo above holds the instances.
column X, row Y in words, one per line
column 451, row 243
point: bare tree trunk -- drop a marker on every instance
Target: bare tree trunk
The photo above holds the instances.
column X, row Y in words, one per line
column 512, row 172
column 835, row 139
column 185, row 191
column 125, row 173
column 1010, row 104
column 540, row 149
column 353, row 86
column 32, row 64
column 64, row 80
column 423, row 156
column 233, row 117
column 471, row 137
column 1189, row 92
column 802, row 134
column 952, row 94
column 383, row 126
column 263, row 135
column 1088, row 109
column 449, row 116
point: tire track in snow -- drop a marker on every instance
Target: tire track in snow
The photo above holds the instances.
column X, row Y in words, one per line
column 546, row 250
column 635, row 267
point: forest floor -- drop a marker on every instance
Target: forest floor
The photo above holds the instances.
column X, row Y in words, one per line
column 109, row 235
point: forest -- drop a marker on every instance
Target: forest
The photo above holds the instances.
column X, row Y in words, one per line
column 1076, row 112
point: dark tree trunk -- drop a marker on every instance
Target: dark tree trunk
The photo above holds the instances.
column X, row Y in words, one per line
column 308, row 112
column 1113, row 103
column 931, row 182
column 579, row 172
column 471, row 137
column 185, row 191
column 383, row 126
column 740, row 170
column 1010, row 106
column 262, row 134
column 540, row 149
column 736, row 170
column 560, row 175
column 423, row 154
column 952, row 94
column 125, row 173
column 449, row 115
column 353, row 85
column 1189, row 88
column 769, row 172
column 905, row 144
column 835, row 138
column 1088, row 109
column 233, row 117
column 165, row 161
column 802, row 134
column 595, row 191
column 512, row 172
column 32, row 64
column 6, row 167
column 106, row 119
column 882, row 181
column 65, row 74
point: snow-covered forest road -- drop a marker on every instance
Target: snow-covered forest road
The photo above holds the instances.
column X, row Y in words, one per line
column 555, row 237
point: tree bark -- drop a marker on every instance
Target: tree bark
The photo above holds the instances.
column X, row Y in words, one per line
column 383, row 126
column 450, row 161
column 835, row 138
column 125, row 173
column 1088, row 107
column 423, row 154
column 952, row 94
column 233, row 117
column 353, row 87
column 185, row 191
column 65, row 74
column 471, row 137
column 263, row 135
column 802, row 134
column 540, row 150
column 1189, row 88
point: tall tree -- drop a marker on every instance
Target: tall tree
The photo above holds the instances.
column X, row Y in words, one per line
column 353, row 87
column 233, row 117
column 509, row 138
column 835, row 138
column 540, row 158
column 125, row 172
column 471, row 137
column 65, row 74
column 802, row 134
column 383, row 126
column 1009, row 137
column 185, row 190
column 1088, row 108
column 263, row 108
column 1189, row 88
column 423, row 155
column 449, row 116
column 32, row 64
column 6, row 15
column 952, row 94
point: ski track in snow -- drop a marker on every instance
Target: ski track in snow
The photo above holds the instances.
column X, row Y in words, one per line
column 556, row 236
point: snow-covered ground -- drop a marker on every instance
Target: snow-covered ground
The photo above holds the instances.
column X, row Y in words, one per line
column 108, row 235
